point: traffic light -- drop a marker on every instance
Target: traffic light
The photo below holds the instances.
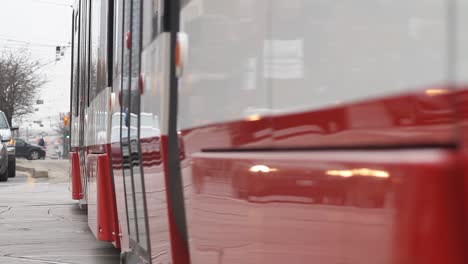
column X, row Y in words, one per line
column 65, row 121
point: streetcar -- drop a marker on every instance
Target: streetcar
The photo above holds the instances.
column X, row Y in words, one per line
column 272, row 131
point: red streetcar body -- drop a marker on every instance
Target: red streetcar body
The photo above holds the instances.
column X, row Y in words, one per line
column 363, row 206
column 261, row 131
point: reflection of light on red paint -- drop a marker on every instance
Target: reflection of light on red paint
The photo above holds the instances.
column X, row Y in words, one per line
column 253, row 117
column 261, row 168
column 434, row 92
column 358, row 172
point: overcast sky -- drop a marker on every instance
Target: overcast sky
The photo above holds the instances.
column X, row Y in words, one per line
column 39, row 26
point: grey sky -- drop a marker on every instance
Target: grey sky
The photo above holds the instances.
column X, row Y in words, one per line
column 39, row 26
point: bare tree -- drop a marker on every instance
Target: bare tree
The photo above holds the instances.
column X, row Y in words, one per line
column 20, row 82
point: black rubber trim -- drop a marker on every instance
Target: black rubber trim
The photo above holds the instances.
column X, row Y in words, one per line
column 70, row 116
column 110, row 42
column 450, row 146
column 175, row 186
column 89, row 28
column 165, row 26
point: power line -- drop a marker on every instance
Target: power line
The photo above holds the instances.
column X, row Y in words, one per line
column 25, row 46
column 25, row 42
column 53, row 3
column 45, row 64
column 31, row 51
column 12, row 37
column 34, row 45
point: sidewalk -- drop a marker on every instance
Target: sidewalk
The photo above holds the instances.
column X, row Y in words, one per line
column 40, row 223
column 56, row 170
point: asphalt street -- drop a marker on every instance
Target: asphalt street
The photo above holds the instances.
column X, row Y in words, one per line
column 40, row 223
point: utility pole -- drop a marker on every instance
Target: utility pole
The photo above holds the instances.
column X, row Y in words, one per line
column 27, row 132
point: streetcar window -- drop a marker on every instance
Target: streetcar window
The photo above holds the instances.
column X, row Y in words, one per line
column 133, row 133
column 132, row 228
column 76, row 21
column 150, row 21
column 76, row 72
column 117, row 56
column 95, row 35
column 84, row 54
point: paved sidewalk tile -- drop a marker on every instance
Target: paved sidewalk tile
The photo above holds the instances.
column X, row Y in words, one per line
column 39, row 223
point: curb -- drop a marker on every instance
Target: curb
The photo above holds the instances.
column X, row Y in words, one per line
column 33, row 172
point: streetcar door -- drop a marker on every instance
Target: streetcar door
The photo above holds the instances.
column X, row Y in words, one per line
column 134, row 187
column 116, row 122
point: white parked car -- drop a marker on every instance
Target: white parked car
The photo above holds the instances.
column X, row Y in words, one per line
column 7, row 149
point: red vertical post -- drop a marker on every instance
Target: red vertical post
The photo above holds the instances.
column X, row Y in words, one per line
column 106, row 206
column 77, row 186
